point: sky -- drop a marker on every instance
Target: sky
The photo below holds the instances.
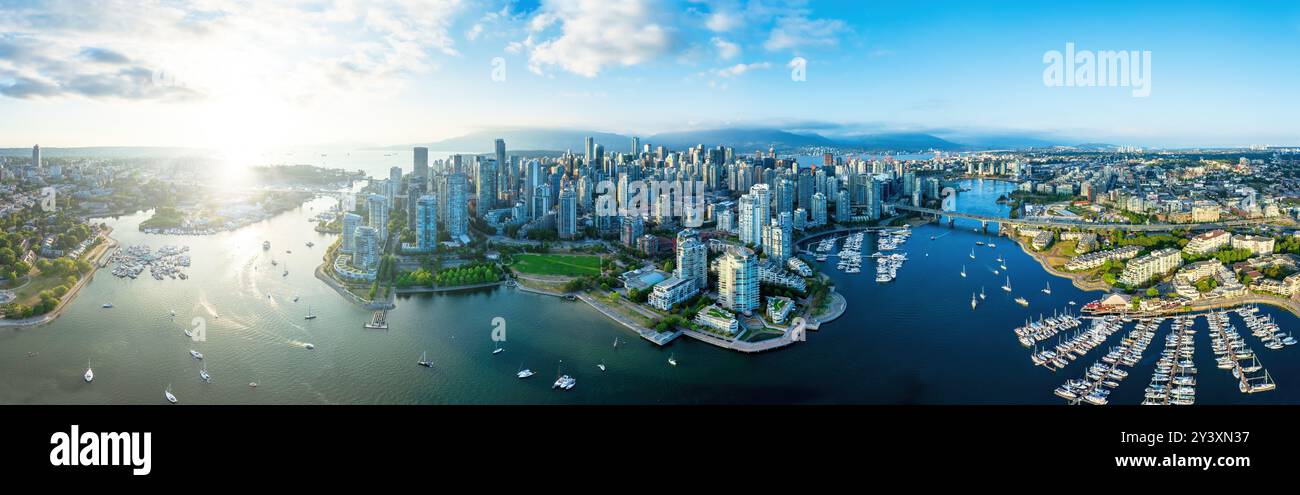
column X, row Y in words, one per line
column 253, row 75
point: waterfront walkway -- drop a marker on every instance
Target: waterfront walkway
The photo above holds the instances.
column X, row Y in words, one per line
column 658, row 338
column 67, row 299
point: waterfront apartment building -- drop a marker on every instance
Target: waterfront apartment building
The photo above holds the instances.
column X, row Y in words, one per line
column 671, row 292
column 1094, row 260
column 1254, row 243
column 692, row 259
column 378, row 206
column 843, row 211
column 738, row 280
column 457, row 205
column 367, row 244
column 350, row 223
column 818, row 210
column 779, row 308
column 426, row 225
column 718, row 319
column 777, row 238
column 1206, row 243
column 566, row 223
column 1146, row 268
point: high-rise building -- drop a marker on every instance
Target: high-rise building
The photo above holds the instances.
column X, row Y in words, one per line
column 843, row 211
column 378, row 206
column 36, row 156
column 692, row 259
column 426, row 226
column 504, row 172
column 590, row 148
column 457, row 205
column 413, row 191
column 754, row 212
column 486, row 186
column 367, row 248
column 421, row 169
column 818, row 210
column 531, row 182
column 738, row 280
column 350, row 223
column 566, row 223
column 632, row 228
column 636, row 145
column 394, row 185
column 777, row 237
column 785, row 194
column 873, row 199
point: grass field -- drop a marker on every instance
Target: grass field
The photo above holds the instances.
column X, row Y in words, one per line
column 555, row 264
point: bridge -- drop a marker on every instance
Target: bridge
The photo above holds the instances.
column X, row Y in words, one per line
column 1066, row 224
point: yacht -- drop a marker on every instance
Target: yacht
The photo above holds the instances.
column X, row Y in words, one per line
column 196, row 354
column 1072, row 303
column 309, row 315
column 981, row 292
column 90, row 374
column 309, row 346
column 173, row 312
column 524, row 372
column 107, row 305
column 167, row 392
column 498, row 350
column 601, row 365
column 203, row 373
column 1048, row 290
column 972, row 254
column 972, row 300
column 672, row 360
column 1021, row 301
column 1008, row 286
column 424, row 361
column 252, row 384
column 563, row 382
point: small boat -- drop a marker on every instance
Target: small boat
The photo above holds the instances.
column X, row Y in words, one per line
column 1021, row 301
column 90, row 374
column 252, row 384
column 309, row 346
column 1072, row 303
column 203, row 373
column 498, row 350
column 196, row 354
column 188, row 333
column 524, row 372
column 1048, row 290
column 310, row 244
column 563, row 382
column 981, row 292
column 601, row 365
column 424, row 361
column 1008, row 286
column 972, row 300
column 286, row 273
column 309, row 315
column 963, row 271
column 167, row 392
column 295, row 298
column 672, row 360
column 972, row 254
column 979, row 243
column 616, row 343
column 172, row 311
column 107, row 305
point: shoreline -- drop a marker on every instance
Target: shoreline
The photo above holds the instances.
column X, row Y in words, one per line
column 73, row 291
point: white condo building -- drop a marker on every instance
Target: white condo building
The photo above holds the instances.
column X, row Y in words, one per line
column 738, row 280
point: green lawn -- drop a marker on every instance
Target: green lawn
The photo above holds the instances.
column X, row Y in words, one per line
column 555, row 264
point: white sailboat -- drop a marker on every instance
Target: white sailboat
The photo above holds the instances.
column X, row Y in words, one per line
column 1048, row 290
column 499, row 349
column 963, row 271
column 196, row 354
column 167, row 392
column 424, row 361
column 203, row 373
column 972, row 254
column 981, row 292
column 601, row 365
column 524, row 372
column 972, row 300
column 563, row 382
column 90, row 374
column 672, row 360
column 1008, row 286
column 309, row 315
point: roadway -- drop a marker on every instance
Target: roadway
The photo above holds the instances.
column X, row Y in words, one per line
column 1034, row 222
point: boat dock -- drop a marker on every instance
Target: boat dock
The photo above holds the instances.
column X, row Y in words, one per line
column 379, row 321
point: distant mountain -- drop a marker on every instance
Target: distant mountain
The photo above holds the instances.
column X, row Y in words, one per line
column 528, row 139
column 1096, row 146
column 742, row 139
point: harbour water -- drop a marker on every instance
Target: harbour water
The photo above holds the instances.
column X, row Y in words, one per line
column 913, row 340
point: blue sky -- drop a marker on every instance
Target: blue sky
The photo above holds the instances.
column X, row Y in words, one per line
column 227, row 74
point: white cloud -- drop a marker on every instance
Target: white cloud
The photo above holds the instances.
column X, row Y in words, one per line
column 721, row 22
column 740, row 69
column 726, row 49
column 288, row 51
column 798, row 31
column 596, row 34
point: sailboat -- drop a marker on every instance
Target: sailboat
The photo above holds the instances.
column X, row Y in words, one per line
column 524, row 372
column 601, row 365
column 90, row 374
column 424, row 361
column 972, row 300
column 203, row 373
column 309, row 315
column 498, row 350
column 963, row 271
column 1048, row 290
column 972, row 254
column 167, row 392
column 616, row 343
column 981, row 292
column 1008, row 286
column 672, row 360
column 563, row 382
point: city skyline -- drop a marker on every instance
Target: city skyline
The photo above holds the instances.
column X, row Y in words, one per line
column 255, row 77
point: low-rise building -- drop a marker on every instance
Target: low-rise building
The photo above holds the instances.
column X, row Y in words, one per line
column 1254, row 243
column 671, row 292
column 1206, row 243
column 1093, row 260
column 1143, row 269
column 779, row 308
column 719, row 319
